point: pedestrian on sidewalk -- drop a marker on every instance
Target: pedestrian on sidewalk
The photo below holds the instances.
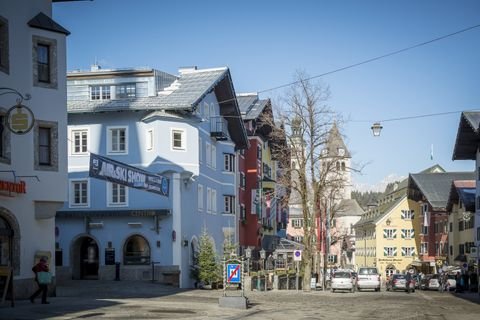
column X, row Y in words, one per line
column 41, row 266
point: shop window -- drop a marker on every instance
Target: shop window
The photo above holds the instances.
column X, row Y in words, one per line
column 136, row 251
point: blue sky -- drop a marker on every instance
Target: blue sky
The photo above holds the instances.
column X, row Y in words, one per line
column 265, row 42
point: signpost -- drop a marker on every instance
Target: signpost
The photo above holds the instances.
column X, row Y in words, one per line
column 232, row 281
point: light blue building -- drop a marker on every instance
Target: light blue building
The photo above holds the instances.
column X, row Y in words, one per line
column 185, row 129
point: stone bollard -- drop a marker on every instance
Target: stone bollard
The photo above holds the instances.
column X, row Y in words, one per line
column 276, row 284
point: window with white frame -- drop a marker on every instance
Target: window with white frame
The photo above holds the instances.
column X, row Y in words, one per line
column 298, row 239
column 79, row 141
column 297, row 223
column 117, row 140
column 200, row 197
column 178, row 139
column 214, row 201
column 214, row 157
column 229, row 204
column 127, row 90
column 389, row 251
column 200, row 150
column 243, row 212
column 209, row 200
column 79, row 193
column 229, row 162
column 389, row 233
column 407, row 214
column 149, row 139
column 208, row 153
column 117, row 194
column 408, row 251
column 408, row 233
column 100, row 92
column 243, row 181
column 424, row 248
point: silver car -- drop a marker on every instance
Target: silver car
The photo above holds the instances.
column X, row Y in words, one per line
column 342, row 280
column 368, row 278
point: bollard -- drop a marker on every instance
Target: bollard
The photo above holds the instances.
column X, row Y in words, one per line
column 117, row 271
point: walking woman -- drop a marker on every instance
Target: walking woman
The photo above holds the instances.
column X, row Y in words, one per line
column 42, row 266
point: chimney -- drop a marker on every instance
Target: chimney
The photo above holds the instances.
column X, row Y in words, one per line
column 188, row 69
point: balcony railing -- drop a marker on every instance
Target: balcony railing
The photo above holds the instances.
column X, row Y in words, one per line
column 219, row 128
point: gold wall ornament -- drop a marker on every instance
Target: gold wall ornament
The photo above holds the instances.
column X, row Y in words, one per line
column 19, row 119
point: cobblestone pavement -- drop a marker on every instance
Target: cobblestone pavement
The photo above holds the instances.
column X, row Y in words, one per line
column 145, row 300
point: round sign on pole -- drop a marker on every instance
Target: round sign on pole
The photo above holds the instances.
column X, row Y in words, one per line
column 297, row 255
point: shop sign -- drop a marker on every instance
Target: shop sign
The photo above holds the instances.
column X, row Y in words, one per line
column 114, row 171
column 19, row 119
column 17, row 187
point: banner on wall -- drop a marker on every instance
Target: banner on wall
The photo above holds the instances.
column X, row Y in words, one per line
column 117, row 172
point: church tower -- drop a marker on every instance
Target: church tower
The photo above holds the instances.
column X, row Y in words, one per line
column 336, row 150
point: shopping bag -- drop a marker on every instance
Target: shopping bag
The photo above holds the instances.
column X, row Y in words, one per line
column 44, row 277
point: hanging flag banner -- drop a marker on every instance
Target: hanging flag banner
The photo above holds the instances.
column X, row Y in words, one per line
column 114, row 171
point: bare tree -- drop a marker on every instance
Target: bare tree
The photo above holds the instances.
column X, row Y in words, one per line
column 313, row 177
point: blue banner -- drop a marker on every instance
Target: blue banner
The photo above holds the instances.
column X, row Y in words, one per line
column 114, row 171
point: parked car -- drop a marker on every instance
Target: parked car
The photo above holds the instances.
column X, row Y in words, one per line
column 430, row 282
column 452, row 282
column 396, row 282
column 368, row 278
column 342, row 280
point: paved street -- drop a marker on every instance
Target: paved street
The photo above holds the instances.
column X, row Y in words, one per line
column 144, row 300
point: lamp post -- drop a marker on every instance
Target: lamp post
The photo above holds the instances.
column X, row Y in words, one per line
column 248, row 255
column 365, row 246
column 262, row 257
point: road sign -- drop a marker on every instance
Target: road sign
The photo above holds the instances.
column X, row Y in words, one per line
column 297, row 255
column 233, row 273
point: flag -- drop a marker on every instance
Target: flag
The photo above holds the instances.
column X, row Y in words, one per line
column 431, row 152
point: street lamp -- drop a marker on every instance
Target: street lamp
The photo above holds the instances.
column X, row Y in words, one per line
column 376, row 129
column 248, row 255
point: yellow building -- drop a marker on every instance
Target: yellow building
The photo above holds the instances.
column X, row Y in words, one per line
column 385, row 235
column 461, row 221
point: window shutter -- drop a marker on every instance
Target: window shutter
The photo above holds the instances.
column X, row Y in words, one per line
column 404, row 251
column 385, row 251
column 413, row 214
column 402, row 215
column 412, row 233
column 403, row 233
column 385, row 233
column 394, row 234
column 394, row 251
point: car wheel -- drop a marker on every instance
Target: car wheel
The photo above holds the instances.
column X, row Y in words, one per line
column 377, row 289
column 332, row 290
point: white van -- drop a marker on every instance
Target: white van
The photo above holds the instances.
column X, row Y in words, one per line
column 368, row 278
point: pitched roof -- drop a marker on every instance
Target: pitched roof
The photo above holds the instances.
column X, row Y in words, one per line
column 335, row 142
column 42, row 21
column 349, row 207
column 463, row 190
column 251, row 106
column 468, row 136
column 435, row 187
column 184, row 93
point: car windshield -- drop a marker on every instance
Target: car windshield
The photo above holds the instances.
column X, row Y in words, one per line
column 398, row 276
column 341, row 275
column 368, row 271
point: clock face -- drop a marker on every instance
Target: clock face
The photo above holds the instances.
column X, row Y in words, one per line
column 341, row 152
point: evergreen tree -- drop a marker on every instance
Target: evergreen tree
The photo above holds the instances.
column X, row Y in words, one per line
column 207, row 260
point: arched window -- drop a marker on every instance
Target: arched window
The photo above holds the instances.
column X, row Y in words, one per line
column 6, row 234
column 136, row 251
column 343, row 166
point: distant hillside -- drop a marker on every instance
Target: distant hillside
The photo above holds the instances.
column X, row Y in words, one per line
column 366, row 198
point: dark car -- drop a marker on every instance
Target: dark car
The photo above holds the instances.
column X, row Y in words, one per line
column 396, row 282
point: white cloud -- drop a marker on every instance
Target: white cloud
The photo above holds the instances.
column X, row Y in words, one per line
column 380, row 186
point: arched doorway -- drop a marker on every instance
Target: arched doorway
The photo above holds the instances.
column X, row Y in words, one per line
column 85, row 255
column 6, row 243
column 136, row 251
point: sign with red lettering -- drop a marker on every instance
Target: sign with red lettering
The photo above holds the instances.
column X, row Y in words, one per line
column 17, row 187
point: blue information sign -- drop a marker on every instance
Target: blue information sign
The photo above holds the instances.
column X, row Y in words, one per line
column 233, row 273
